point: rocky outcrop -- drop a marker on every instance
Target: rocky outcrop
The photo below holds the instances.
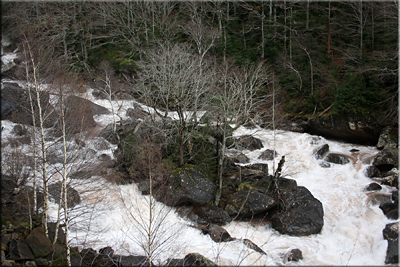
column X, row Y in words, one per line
column 212, row 214
column 72, row 195
column 268, row 154
column 302, row 214
column 190, row 185
column 249, row 202
column 40, row 245
column 337, row 159
column 372, row 171
column 17, row 108
column 391, row 234
column 321, row 151
column 358, row 129
column 248, row 142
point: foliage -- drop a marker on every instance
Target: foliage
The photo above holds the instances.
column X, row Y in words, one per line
column 356, row 95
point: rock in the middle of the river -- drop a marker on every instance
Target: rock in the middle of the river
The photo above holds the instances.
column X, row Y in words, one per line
column 302, row 214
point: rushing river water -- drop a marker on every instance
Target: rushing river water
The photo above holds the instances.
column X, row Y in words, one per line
column 111, row 215
column 352, row 232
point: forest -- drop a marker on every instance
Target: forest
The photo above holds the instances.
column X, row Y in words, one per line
column 342, row 54
column 202, row 69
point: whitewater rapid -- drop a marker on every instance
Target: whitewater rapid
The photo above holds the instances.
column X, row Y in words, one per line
column 111, row 215
column 352, row 232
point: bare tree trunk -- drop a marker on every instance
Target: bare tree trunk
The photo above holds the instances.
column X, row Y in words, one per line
column 35, row 65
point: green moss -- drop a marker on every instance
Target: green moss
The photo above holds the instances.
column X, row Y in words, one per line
column 245, row 184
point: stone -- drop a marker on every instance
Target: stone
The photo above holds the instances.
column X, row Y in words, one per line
column 295, row 255
column 248, row 203
column 259, row 167
column 218, row 234
column 385, row 140
column 386, row 159
column 372, row 171
column 337, row 159
column 190, row 185
column 40, row 245
column 212, row 214
column 373, row 187
column 253, row 246
column 268, row 155
column 248, row 142
column 301, row 215
column 72, row 195
column 391, row 231
column 321, row 151
column 19, row 251
column 392, row 252
column 30, row 264
column 139, row 261
column 196, row 259
column 359, row 129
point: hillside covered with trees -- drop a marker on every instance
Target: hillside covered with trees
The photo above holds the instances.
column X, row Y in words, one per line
column 335, row 56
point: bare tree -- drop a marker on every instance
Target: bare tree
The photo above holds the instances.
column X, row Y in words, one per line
column 177, row 82
column 236, row 101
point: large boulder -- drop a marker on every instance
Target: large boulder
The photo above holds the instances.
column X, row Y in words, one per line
column 196, row 259
column 72, row 195
column 321, row 151
column 17, row 108
column 358, row 129
column 301, row 215
column 387, row 159
column 337, row 159
column 249, row 202
column 40, row 245
column 268, row 154
column 386, row 138
column 391, row 234
column 80, row 112
column 248, row 142
column 20, row 251
column 191, row 185
column 212, row 214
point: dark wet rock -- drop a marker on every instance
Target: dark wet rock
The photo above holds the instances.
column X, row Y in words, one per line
column 321, row 151
column 395, row 195
column 354, row 150
column 390, row 210
column 298, row 126
column 248, row 202
column 80, row 113
column 386, row 159
column 372, row 171
column 337, row 159
column 108, row 251
column 196, row 259
column 248, row 142
column 217, row 233
column 359, row 129
column 268, row 155
column 385, row 140
column 212, row 214
column 72, row 195
column 140, row 261
column 302, row 214
column 17, row 108
column 373, row 187
column 191, row 185
column 259, row 167
column 391, row 234
column 377, row 199
column 40, row 245
column 391, row 178
column 19, row 251
column 295, row 255
column 60, row 235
